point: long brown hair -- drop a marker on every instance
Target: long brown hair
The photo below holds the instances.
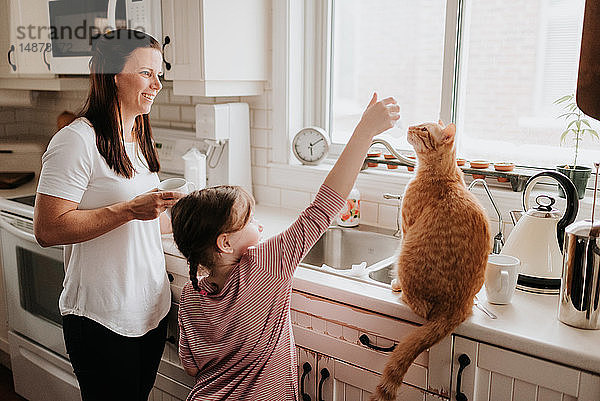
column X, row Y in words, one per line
column 109, row 54
column 200, row 217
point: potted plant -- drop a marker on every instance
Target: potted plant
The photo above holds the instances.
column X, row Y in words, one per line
column 577, row 127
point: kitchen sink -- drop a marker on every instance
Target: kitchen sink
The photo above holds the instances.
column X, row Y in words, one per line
column 384, row 274
column 360, row 253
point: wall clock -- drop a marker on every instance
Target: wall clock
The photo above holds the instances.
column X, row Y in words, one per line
column 311, row 145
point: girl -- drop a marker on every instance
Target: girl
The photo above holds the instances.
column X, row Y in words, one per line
column 235, row 328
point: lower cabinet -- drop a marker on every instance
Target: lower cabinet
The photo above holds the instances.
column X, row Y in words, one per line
column 484, row 372
column 323, row 378
column 343, row 350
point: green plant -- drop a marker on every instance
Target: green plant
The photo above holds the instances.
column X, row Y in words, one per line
column 577, row 125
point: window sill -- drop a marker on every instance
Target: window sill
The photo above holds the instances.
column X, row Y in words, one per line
column 374, row 182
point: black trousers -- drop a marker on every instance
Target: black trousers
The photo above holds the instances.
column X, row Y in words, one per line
column 110, row 366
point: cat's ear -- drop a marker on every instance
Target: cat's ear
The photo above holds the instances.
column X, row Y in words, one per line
column 448, row 133
column 440, row 122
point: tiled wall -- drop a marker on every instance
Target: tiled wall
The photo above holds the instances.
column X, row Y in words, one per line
column 171, row 111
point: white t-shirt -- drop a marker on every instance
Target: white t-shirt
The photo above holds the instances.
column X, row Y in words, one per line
column 117, row 279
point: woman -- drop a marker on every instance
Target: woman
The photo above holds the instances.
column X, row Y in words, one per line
column 97, row 196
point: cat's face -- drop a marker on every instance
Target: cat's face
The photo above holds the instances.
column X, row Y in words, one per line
column 429, row 137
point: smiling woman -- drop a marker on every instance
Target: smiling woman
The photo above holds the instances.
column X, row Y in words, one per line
column 97, row 196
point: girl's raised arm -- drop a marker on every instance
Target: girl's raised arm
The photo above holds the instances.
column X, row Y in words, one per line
column 377, row 118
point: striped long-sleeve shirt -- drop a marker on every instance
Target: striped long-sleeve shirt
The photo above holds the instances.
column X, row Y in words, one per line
column 241, row 338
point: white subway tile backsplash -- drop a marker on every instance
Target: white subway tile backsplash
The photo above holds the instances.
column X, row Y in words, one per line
column 259, row 138
column 294, row 199
column 259, row 119
column 174, row 99
column 269, row 196
column 203, row 100
column 369, row 212
column 188, row 114
column 259, row 157
column 259, row 175
column 181, row 125
column 387, row 216
column 169, row 112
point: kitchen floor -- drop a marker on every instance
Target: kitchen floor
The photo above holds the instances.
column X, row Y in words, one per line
column 7, row 390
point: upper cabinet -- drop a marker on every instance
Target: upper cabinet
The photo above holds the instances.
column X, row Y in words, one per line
column 216, row 48
column 26, row 47
column 25, row 39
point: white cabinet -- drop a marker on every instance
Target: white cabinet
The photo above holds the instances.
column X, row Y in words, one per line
column 216, row 48
column 25, row 48
column 497, row 374
column 28, row 38
column 324, row 378
column 353, row 344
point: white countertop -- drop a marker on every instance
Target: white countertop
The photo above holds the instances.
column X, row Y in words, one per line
column 528, row 325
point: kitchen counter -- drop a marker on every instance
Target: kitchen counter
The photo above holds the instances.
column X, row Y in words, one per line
column 528, row 325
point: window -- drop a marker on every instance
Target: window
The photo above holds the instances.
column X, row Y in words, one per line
column 514, row 61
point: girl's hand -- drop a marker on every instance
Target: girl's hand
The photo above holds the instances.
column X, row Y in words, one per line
column 150, row 205
column 379, row 116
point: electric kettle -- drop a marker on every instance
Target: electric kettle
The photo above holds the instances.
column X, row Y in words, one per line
column 537, row 238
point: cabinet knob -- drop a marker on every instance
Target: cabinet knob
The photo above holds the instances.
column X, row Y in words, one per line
column 463, row 361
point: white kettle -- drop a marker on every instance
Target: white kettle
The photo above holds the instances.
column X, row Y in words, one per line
column 538, row 236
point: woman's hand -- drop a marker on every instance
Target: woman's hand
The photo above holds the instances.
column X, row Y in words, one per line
column 150, row 205
column 379, row 116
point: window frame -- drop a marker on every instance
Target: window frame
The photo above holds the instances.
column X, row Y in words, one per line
column 302, row 37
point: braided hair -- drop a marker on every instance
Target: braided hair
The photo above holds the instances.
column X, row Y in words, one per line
column 200, row 217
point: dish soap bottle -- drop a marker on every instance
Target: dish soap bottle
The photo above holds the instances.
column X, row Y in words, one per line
column 350, row 214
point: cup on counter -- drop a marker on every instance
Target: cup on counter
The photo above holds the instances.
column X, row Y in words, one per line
column 501, row 278
column 176, row 185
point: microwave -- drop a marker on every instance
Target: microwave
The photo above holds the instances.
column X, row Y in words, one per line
column 74, row 24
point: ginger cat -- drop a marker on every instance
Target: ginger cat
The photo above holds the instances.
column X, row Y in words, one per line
column 443, row 256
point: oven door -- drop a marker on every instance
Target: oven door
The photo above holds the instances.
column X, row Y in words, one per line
column 33, row 278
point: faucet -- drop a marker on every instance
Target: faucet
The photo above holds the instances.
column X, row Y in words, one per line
column 398, row 233
column 390, row 148
column 499, row 238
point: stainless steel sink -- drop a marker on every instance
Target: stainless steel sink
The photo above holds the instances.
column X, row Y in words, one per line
column 384, row 274
column 340, row 248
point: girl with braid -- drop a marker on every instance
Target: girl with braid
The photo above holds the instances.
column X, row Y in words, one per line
column 235, row 329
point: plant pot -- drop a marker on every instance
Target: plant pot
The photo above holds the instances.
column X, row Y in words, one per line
column 578, row 175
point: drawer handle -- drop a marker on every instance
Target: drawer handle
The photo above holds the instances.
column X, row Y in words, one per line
column 463, row 361
column 324, row 376
column 306, row 368
column 364, row 339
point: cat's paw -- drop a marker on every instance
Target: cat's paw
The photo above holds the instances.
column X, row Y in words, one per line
column 396, row 285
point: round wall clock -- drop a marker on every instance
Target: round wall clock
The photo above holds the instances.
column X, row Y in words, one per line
column 311, row 145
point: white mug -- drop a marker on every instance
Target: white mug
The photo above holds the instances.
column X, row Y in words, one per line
column 501, row 278
column 176, row 185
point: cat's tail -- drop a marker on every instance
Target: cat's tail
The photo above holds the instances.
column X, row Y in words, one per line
column 408, row 350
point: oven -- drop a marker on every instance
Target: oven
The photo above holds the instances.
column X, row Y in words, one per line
column 34, row 279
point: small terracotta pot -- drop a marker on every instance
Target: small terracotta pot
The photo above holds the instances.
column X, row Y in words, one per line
column 392, row 166
column 502, row 179
column 461, row 162
column 374, row 154
column 476, row 176
column 410, row 168
column 371, row 164
column 504, row 166
column 479, row 164
column 388, row 157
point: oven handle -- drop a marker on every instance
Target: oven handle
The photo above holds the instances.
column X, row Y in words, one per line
column 22, row 234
